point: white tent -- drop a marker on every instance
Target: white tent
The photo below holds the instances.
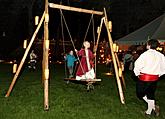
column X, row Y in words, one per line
column 154, row 29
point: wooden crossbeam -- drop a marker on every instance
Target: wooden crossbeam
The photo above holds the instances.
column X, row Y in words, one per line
column 57, row 6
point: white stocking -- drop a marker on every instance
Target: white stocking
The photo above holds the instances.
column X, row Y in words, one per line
column 151, row 106
column 145, row 98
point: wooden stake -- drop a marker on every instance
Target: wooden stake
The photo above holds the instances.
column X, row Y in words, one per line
column 46, row 95
column 24, row 57
column 114, row 59
column 52, row 5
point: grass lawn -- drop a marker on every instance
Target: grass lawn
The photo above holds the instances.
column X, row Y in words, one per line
column 71, row 101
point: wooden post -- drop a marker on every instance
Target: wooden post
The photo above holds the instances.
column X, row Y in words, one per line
column 24, row 57
column 45, row 61
column 114, row 59
column 119, row 65
column 98, row 36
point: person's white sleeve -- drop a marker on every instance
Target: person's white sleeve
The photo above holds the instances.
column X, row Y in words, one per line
column 162, row 68
column 139, row 64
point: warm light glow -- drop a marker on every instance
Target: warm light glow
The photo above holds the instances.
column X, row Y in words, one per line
column 114, row 47
column 110, row 25
column 102, row 55
column 11, row 62
column 120, row 72
column 159, row 48
column 14, row 68
column 25, row 44
column 36, row 20
column 109, row 73
column 122, row 66
column 46, row 74
column 120, row 50
column 59, row 62
column 98, row 29
column 108, row 59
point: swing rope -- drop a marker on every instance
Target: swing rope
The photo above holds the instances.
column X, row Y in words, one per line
column 71, row 39
column 86, row 33
column 91, row 21
column 64, row 50
column 94, row 40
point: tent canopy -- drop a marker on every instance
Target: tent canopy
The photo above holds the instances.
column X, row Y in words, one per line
column 154, row 29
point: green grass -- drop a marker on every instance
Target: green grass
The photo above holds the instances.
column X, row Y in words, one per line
column 71, row 101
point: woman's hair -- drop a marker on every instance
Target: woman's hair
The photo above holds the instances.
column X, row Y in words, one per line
column 153, row 43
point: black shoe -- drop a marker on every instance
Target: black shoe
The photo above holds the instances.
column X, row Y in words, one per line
column 157, row 110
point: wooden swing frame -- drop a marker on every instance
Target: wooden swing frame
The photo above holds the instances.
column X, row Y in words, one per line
column 45, row 60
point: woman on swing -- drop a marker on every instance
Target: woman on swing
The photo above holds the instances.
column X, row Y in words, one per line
column 85, row 69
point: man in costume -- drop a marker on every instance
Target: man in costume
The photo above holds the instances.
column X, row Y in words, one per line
column 149, row 67
column 85, row 68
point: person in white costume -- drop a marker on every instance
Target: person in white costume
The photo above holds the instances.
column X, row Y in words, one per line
column 149, row 67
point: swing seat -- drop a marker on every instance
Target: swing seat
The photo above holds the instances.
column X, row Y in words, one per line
column 89, row 84
column 85, row 80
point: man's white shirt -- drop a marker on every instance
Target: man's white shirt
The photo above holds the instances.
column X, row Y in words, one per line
column 150, row 62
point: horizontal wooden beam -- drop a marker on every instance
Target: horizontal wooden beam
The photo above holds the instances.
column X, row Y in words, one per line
column 57, row 6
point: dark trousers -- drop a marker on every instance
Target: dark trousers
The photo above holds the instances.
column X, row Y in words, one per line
column 146, row 88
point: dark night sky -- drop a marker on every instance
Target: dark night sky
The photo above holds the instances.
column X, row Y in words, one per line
column 126, row 16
